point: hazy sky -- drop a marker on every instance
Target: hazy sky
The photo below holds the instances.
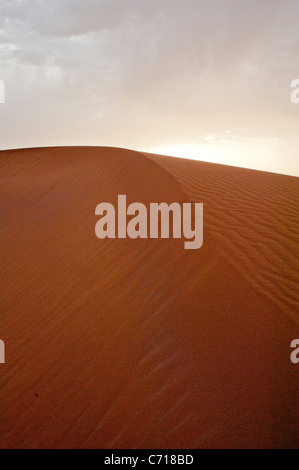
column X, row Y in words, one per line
column 208, row 79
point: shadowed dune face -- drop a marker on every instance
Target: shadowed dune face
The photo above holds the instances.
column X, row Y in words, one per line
column 140, row 343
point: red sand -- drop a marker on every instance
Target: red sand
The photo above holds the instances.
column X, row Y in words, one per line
column 140, row 343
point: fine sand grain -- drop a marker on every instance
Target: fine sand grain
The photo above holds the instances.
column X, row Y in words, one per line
column 139, row 343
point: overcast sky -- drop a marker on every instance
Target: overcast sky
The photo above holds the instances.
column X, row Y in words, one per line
column 208, row 79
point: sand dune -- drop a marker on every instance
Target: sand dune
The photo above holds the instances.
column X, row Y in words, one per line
column 140, row 343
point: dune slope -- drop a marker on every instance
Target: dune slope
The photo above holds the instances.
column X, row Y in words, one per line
column 140, row 343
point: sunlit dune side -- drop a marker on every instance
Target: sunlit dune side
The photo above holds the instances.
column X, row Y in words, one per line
column 122, row 343
column 253, row 216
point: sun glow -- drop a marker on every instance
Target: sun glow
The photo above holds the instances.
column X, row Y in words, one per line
column 192, row 151
column 266, row 154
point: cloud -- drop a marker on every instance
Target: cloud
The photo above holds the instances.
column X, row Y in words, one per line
column 137, row 73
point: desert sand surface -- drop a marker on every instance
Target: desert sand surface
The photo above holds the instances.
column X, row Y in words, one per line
column 122, row 343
